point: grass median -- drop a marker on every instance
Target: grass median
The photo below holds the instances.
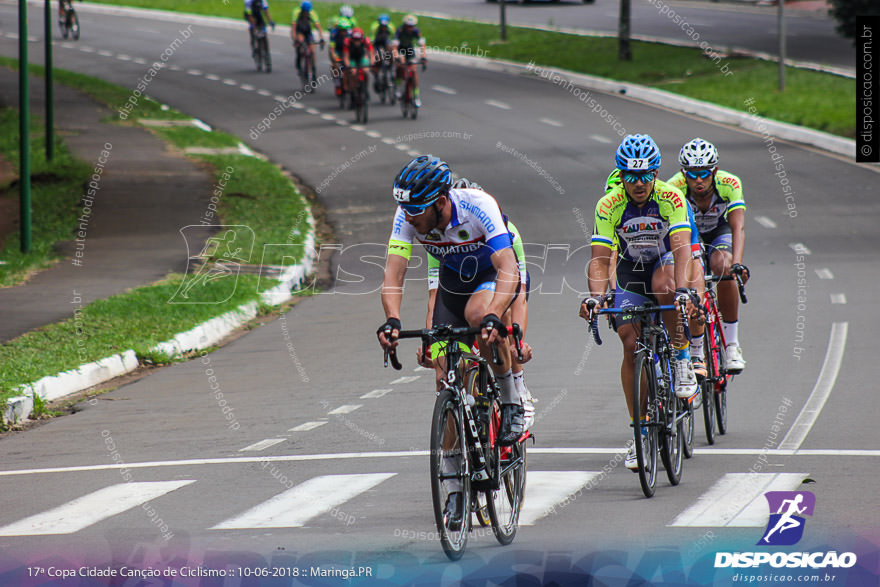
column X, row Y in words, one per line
column 812, row 99
column 250, row 191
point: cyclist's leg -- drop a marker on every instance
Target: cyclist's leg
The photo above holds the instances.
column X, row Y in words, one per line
column 628, row 333
column 663, row 284
column 720, row 260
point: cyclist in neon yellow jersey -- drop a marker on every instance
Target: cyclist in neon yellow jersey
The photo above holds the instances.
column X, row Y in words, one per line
column 304, row 23
column 719, row 210
column 695, row 281
column 646, row 219
column 519, row 310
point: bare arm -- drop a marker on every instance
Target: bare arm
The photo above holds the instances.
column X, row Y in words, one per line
column 504, row 262
column 737, row 221
column 392, row 285
column 681, row 254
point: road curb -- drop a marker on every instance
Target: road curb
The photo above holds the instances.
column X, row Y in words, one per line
column 203, row 336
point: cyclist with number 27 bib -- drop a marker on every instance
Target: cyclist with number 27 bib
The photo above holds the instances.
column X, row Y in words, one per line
column 646, row 220
column 719, row 210
column 479, row 278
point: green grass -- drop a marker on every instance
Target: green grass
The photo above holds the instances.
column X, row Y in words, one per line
column 812, row 99
column 56, row 189
column 191, row 136
column 135, row 320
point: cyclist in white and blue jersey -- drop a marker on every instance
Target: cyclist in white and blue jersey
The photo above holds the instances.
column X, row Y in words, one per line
column 479, row 278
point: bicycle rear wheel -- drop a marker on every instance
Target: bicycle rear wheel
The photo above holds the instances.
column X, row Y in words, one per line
column 688, row 425
column 645, row 437
column 74, row 25
column 267, row 58
column 64, row 26
column 506, row 501
column 450, row 472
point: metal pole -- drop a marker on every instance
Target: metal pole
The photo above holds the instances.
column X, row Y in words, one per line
column 50, row 93
column 24, row 140
column 781, row 26
column 502, row 4
column 624, row 52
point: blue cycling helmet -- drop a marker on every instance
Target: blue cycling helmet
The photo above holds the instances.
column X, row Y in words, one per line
column 637, row 153
column 422, row 181
column 384, row 19
column 306, row 5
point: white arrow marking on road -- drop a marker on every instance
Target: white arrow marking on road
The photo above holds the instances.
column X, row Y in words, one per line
column 346, row 409
column 737, row 499
column 497, row 104
column 824, row 384
column 765, row 222
column 295, row 507
column 307, row 426
column 263, row 444
column 406, row 379
column 545, row 489
column 91, row 509
column 375, row 394
column 838, row 298
column 444, row 90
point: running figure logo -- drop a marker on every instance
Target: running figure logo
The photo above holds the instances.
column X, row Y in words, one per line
column 786, row 526
column 220, row 256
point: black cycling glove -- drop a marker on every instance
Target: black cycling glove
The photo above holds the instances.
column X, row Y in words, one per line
column 390, row 325
column 491, row 321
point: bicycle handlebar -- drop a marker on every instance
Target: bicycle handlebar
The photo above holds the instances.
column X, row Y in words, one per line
column 450, row 333
column 733, row 277
column 645, row 309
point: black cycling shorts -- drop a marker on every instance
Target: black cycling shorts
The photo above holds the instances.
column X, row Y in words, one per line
column 454, row 292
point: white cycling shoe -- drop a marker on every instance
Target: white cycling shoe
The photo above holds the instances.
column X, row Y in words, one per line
column 735, row 361
column 685, row 380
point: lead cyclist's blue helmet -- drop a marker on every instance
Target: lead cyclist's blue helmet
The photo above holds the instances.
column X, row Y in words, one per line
column 638, row 153
column 422, row 181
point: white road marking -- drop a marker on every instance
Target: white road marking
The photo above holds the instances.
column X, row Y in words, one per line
column 194, row 72
column 838, row 298
column 497, row 104
column 551, row 122
column 230, row 82
column 343, row 123
column 262, row 445
column 307, row 426
column 345, row 409
column 140, row 61
column 737, row 499
column 444, row 90
column 406, row 379
column 799, row 248
column 85, row 49
column 375, row 394
column 266, row 93
column 211, row 41
column 709, row 452
column 250, row 88
column 824, row 273
column 104, row 53
column 174, row 67
column 122, row 57
column 373, row 134
column 389, row 141
column 824, row 384
column 545, row 489
column 402, row 147
column 313, row 111
column 296, row 506
column 199, row 124
column 765, row 222
column 359, row 127
column 328, row 117
column 601, row 139
column 279, row 98
column 298, row 106
column 91, row 509
column 212, row 77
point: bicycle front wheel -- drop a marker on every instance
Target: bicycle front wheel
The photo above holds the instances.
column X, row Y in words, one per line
column 708, row 385
column 506, row 501
column 669, row 411
column 721, row 386
column 267, row 58
column 450, row 474
column 74, row 26
column 645, row 437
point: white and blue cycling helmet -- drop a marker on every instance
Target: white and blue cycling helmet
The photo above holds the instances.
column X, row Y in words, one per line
column 638, row 153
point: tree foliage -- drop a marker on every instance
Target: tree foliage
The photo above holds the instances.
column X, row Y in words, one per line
column 845, row 12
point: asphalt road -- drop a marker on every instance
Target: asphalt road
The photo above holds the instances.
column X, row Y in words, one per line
column 810, row 35
column 348, row 484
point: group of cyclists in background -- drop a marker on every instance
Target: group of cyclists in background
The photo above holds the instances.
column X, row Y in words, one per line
column 351, row 49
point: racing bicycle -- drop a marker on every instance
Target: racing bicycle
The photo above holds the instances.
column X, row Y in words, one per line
column 260, row 48
column 663, row 427
column 68, row 21
column 465, row 456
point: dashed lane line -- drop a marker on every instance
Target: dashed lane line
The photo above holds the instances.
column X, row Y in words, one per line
column 262, row 445
column 765, row 222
